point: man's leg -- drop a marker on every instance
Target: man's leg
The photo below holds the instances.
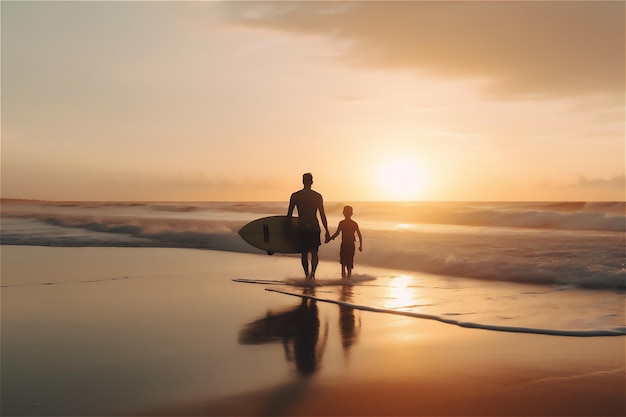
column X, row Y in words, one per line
column 305, row 263
column 314, row 262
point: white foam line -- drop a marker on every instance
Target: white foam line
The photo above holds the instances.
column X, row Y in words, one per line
column 599, row 374
column 259, row 281
column 621, row 331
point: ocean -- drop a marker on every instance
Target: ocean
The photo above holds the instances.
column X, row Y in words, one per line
column 538, row 267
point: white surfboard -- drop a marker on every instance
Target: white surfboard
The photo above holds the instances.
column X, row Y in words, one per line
column 274, row 234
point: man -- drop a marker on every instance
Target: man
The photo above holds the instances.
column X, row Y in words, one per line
column 308, row 203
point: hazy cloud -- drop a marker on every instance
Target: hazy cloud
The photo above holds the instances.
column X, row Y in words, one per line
column 521, row 49
column 618, row 181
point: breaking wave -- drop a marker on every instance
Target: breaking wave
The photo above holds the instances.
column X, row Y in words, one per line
column 560, row 243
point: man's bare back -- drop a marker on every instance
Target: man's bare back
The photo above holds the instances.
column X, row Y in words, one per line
column 308, row 203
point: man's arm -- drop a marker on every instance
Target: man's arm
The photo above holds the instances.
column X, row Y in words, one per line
column 323, row 218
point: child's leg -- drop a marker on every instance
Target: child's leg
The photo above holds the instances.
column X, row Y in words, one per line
column 350, row 263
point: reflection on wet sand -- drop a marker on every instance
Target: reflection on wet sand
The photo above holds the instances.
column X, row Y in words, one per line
column 298, row 329
column 347, row 321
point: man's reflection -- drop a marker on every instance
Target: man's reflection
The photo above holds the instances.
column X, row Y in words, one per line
column 297, row 328
column 347, row 321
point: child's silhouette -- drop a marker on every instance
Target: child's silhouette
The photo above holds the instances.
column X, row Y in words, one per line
column 347, row 227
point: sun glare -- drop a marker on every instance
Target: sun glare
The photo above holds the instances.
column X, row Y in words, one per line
column 402, row 180
column 401, row 293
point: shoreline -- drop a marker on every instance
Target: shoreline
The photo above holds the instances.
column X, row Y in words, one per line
column 152, row 331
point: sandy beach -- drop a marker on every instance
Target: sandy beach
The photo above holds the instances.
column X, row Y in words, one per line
column 118, row 331
column 466, row 157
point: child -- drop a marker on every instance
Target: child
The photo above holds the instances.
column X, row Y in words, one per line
column 347, row 227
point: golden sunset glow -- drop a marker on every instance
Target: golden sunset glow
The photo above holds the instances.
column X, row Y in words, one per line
column 235, row 100
column 401, row 294
column 402, row 179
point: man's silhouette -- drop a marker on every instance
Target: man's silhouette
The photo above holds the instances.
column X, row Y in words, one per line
column 308, row 203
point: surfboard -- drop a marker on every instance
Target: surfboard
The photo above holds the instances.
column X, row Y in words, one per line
column 273, row 234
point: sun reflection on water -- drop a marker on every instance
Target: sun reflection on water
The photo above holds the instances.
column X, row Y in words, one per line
column 401, row 294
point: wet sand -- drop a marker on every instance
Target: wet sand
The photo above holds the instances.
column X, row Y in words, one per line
column 113, row 331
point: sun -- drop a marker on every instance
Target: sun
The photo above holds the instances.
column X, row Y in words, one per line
column 402, row 179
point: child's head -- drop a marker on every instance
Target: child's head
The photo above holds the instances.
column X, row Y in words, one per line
column 347, row 211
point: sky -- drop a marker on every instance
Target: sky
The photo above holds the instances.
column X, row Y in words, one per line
column 234, row 101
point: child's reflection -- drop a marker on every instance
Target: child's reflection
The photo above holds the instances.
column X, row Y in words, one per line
column 347, row 321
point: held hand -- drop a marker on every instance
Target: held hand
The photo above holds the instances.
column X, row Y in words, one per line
column 327, row 237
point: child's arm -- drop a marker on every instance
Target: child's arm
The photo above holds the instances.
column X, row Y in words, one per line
column 337, row 232
column 358, row 232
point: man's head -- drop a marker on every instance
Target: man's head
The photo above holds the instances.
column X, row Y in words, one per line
column 307, row 179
